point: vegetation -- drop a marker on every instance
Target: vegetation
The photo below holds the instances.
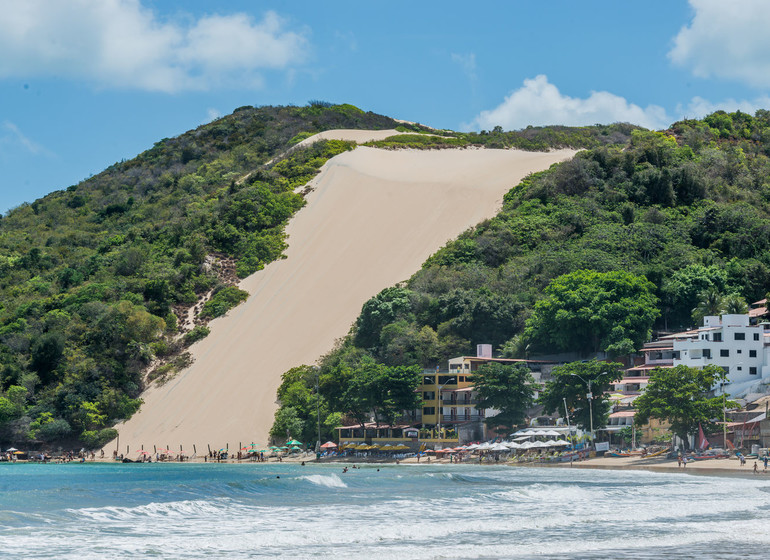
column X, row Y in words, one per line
column 507, row 388
column 591, row 311
column 681, row 396
column 570, row 383
column 96, row 280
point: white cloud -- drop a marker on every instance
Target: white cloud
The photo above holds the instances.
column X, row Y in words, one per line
column 16, row 137
column 121, row 43
column 726, row 40
column 539, row 102
column 700, row 107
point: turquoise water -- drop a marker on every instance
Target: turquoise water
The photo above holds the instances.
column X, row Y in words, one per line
column 401, row 511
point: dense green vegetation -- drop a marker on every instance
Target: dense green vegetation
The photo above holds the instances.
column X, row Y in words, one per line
column 682, row 396
column 96, row 280
column 671, row 215
column 507, row 388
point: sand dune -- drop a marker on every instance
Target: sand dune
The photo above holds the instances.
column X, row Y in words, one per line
column 372, row 220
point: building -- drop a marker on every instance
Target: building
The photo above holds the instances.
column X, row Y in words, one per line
column 449, row 416
column 730, row 342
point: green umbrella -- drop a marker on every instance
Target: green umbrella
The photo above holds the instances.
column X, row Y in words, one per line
column 294, row 442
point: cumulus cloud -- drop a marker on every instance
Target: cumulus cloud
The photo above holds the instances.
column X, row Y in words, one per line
column 726, row 40
column 539, row 102
column 700, row 107
column 121, row 43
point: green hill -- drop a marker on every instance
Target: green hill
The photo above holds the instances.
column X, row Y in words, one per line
column 687, row 209
column 105, row 284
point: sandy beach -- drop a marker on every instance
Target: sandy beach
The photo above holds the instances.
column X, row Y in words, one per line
column 372, row 219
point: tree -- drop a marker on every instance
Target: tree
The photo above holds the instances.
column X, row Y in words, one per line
column 589, row 311
column 570, row 382
column 734, row 304
column 680, row 396
column 287, row 424
column 378, row 312
column 397, row 388
column 710, row 302
column 507, row 388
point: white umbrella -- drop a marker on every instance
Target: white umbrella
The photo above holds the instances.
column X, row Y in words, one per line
column 527, row 445
column 512, row 445
column 486, row 446
column 560, row 442
column 499, row 447
column 540, row 444
column 519, row 432
column 551, row 433
column 473, row 446
column 11, row 450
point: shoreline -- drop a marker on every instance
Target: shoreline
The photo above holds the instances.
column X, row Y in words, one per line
column 711, row 467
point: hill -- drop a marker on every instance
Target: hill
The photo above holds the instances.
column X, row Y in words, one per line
column 687, row 209
column 105, row 285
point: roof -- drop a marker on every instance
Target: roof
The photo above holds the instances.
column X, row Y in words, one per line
column 648, row 367
column 622, row 414
column 655, row 348
column 683, row 334
column 513, row 360
column 639, row 379
column 758, row 311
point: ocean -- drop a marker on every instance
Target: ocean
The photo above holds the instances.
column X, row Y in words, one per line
column 280, row 510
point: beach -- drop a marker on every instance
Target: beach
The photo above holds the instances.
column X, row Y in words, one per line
column 372, row 218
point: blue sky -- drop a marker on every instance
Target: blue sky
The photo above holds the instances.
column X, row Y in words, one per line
column 86, row 83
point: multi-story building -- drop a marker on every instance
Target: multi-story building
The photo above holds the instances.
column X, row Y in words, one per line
column 730, row 342
column 449, row 415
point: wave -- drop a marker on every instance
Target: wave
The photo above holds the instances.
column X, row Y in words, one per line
column 329, row 481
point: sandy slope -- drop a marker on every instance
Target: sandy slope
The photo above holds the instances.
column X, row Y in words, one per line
column 372, row 220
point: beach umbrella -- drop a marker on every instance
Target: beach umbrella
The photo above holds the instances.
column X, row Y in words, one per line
column 527, row 445
column 11, row 450
column 294, row 442
column 512, row 445
column 328, row 445
column 560, row 442
column 499, row 447
column 486, row 446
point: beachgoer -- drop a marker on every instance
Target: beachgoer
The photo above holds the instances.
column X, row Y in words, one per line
column 679, row 461
column 684, row 462
column 344, row 470
column 755, row 467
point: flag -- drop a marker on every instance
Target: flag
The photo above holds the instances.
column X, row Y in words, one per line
column 703, row 443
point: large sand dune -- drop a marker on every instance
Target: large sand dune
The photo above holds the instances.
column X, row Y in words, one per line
column 373, row 218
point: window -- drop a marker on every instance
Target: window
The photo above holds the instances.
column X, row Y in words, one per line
column 752, row 353
column 739, row 351
column 740, row 368
column 429, row 395
column 756, row 336
column 717, row 337
column 427, row 380
column 753, row 370
column 447, row 380
column 740, row 336
column 428, row 410
column 724, row 353
column 707, row 353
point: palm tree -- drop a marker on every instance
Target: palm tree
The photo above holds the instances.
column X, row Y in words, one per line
column 710, row 302
column 734, row 304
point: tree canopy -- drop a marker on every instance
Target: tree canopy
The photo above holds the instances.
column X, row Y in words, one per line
column 683, row 397
column 570, row 382
column 507, row 388
column 589, row 311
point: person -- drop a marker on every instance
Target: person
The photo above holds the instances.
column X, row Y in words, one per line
column 679, row 460
column 684, row 462
column 345, row 469
column 755, row 467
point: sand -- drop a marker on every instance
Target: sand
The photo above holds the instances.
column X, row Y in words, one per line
column 373, row 218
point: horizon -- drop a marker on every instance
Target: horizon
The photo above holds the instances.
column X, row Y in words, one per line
column 109, row 79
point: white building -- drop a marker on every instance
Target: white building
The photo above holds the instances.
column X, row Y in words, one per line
column 730, row 342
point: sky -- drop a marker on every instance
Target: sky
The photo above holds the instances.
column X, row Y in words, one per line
column 87, row 83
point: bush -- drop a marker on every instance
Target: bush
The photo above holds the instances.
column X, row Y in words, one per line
column 198, row 333
column 222, row 301
column 94, row 439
